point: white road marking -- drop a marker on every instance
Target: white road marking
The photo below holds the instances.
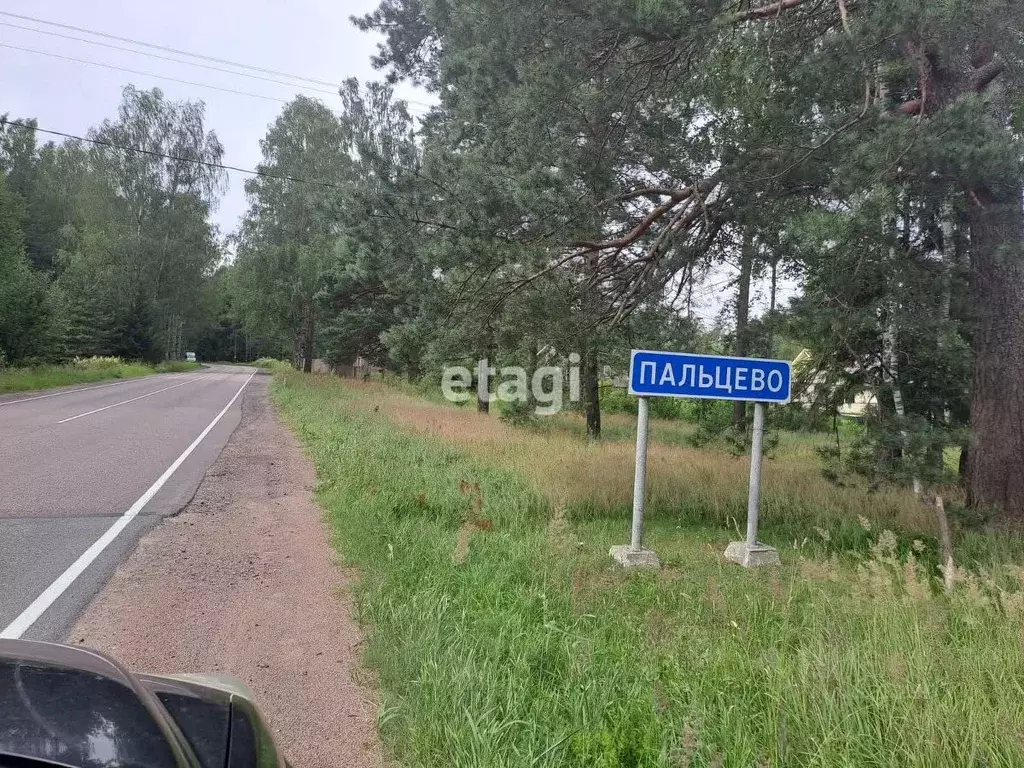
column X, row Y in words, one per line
column 123, row 402
column 80, row 389
column 30, row 615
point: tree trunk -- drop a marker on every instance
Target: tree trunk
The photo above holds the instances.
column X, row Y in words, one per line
column 413, row 370
column 483, row 384
column 772, row 305
column 481, row 376
column 592, row 394
column 994, row 476
column 591, row 382
column 889, row 341
column 948, row 266
column 308, row 339
column 741, row 347
column 532, row 363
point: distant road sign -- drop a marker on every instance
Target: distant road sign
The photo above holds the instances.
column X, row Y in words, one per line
column 675, row 374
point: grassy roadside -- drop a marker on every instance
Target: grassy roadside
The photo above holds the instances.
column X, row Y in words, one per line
column 272, row 365
column 502, row 634
column 84, row 371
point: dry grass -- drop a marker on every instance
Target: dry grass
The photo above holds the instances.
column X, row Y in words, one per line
column 594, row 477
column 521, row 643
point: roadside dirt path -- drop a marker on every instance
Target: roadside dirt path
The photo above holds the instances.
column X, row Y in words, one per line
column 243, row 582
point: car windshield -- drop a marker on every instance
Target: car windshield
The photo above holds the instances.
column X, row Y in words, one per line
column 75, row 717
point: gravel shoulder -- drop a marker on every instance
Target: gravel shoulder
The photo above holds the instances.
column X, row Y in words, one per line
column 243, row 582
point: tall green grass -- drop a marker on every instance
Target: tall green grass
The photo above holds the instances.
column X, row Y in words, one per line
column 273, row 365
column 502, row 635
column 84, row 371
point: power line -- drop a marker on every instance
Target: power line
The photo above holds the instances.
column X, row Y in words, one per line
column 333, row 86
column 249, row 171
column 166, row 58
column 208, row 164
column 175, row 79
column 165, row 48
column 146, row 74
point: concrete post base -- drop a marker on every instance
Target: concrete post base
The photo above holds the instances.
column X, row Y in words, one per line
column 627, row 557
column 752, row 556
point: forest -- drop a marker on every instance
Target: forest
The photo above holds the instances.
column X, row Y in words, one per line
column 585, row 169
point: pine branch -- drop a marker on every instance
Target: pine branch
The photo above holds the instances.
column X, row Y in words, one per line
column 676, row 193
column 762, row 12
column 641, row 229
column 844, row 14
column 627, row 239
column 919, row 54
column 984, row 75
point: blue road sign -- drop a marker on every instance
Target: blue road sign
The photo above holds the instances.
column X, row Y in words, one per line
column 674, row 374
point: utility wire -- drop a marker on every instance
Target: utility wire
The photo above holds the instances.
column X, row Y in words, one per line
column 82, row 30
column 208, row 164
column 249, row 171
column 167, row 58
column 166, row 49
column 146, row 74
column 175, row 79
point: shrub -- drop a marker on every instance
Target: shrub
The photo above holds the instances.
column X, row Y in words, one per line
column 177, row 366
column 667, row 408
column 273, row 365
column 618, row 400
column 517, row 414
column 794, row 417
column 98, row 363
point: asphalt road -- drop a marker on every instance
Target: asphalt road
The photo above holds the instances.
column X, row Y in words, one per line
column 78, row 469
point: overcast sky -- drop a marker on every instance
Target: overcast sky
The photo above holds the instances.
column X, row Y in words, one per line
column 311, row 38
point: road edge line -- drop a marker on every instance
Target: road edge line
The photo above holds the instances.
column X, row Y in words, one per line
column 125, row 402
column 87, row 388
column 49, row 596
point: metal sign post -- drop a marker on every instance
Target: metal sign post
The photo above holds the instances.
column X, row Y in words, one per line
column 752, row 553
column 673, row 374
column 636, row 541
column 754, row 493
column 635, row 555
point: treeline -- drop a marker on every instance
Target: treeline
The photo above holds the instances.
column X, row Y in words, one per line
column 353, row 247
column 588, row 165
column 586, row 169
column 105, row 245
